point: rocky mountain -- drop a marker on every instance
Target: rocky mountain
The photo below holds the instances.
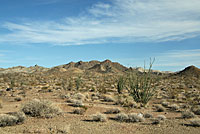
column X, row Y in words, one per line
column 106, row 66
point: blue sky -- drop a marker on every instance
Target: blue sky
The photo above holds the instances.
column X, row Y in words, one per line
column 55, row 32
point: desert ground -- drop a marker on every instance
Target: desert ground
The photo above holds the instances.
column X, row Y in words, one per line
column 98, row 98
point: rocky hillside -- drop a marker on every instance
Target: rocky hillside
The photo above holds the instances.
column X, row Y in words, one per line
column 22, row 69
column 106, row 66
column 190, row 71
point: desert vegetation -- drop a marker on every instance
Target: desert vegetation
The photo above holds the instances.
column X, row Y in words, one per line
column 98, row 97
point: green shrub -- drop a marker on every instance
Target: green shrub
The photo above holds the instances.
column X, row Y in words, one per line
column 121, row 83
column 40, row 108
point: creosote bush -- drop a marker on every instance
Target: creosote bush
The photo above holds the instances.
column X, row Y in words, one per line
column 41, row 108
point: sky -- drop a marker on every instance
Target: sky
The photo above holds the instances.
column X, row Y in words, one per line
column 55, row 32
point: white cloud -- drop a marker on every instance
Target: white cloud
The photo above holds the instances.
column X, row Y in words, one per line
column 121, row 21
column 173, row 60
column 179, row 58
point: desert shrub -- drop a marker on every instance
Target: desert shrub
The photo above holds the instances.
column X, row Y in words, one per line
column 69, row 100
column 165, row 104
column 121, row 83
column 18, row 99
column 99, row 117
column 133, row 117
column 94, row 98
column 159, row 108
column 113, row 111
column 77, row 103
column 129, row 103
column 40, row 108
column 21, row 117
column 122, row 117
column 80, row 111
column 156, row 121
column 187, row 114
column 62, row 129
column 107, row 98
column 78, row 82
column 125, row 102
column 174, row 107
column 142, row 86
column 11, row 119
column 79, row 96
column 7, row 120
column 1, row 106
column 195, row 122
column 148, row 115
column 159, row 119
column 196, row 109
column 62, row 96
